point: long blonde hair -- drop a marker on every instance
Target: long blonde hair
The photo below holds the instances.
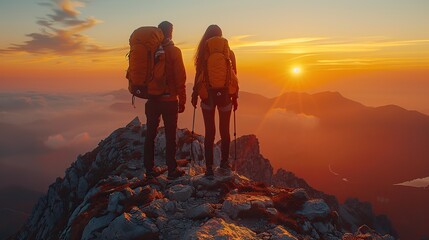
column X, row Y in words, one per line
column 212, row 31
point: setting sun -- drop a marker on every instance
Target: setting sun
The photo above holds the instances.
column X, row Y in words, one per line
column 296, row 70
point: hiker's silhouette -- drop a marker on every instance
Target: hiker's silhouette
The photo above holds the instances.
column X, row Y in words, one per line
column 217, row 85
column 168, row 105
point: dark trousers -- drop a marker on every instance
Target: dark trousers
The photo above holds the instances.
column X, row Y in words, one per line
column 209, row 122
column 154, row 110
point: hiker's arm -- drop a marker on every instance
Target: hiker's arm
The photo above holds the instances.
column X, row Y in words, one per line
column 234, row 63
column 234, row 67
column 180, row 75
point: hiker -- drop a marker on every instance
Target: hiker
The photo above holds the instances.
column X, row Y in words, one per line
column 168, row 105
column 217, row 85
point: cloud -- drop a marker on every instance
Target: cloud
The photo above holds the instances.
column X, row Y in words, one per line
column 419, row 182
column 279, row 118
column 61, row 31
column 339, row 54
column 22, row 102
column 42, row 133
column 81, row 138
column 57, row 141
column 314, row 45
column 240, row 41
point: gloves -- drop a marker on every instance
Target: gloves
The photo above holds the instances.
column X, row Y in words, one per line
column 194, row 99
column 234, row 102
column 181, row 108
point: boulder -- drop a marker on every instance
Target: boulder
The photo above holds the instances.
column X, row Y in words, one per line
column 201, row 211
column 217, row 228
column 238, row 203
column 132, row 225
column 315, row 208
column 280, row 233
column 96, row 224
column 180, row 192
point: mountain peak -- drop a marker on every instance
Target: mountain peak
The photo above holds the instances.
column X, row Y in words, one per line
column 105, row 195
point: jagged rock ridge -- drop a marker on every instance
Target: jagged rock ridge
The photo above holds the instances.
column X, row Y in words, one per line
column 105, row 195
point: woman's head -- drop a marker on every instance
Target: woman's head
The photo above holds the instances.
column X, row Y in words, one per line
column 212, row 31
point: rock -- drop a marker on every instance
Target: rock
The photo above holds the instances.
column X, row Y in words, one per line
column 170, row 206
column 82, row 188
column 114, row 200
column 238, row 203
column 128, row 192
column 272, row 211
column 284, row 178
column 156, row 208
column 315, row 208
column 201, row 211
column 180, row 192
column 95, row 224
column 217, row 228
column 250, row 162
column 300, row 194
column 324, row 228
column 133, row 225
column 280, row 233
column 200, row 181
column 134, row 123
column 355, row 213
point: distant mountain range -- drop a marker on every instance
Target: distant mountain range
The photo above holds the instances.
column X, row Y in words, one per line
column 350, row 137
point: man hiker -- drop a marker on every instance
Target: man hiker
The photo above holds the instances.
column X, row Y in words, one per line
column 168, row 106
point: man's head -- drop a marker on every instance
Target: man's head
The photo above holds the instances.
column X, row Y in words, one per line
column 167, row 29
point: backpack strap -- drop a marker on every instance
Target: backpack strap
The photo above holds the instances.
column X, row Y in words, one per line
column 228, row 71
column 206, row 75
column 149, row 66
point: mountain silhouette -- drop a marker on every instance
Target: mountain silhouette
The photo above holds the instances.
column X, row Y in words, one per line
column 105, row 195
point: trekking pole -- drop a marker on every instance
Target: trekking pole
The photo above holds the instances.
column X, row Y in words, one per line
column 192, row 135
column 235, row 139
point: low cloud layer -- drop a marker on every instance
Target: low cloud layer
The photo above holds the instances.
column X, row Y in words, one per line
column 42, row 133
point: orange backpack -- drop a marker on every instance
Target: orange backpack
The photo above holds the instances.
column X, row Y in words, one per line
column 217, row 70
column 146, row 63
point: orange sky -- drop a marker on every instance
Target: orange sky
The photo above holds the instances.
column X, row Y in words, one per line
column 65, row 45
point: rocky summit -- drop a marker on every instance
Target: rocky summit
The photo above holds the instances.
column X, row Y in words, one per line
column 106, row 195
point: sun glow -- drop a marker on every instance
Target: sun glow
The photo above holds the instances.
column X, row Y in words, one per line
column 296, row 70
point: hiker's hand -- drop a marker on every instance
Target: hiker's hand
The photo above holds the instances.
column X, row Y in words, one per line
column 181, row 108
column 194, row 100
column 234, row 102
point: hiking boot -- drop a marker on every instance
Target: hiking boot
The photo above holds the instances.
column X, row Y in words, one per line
column 176, row 173
column 209, row 173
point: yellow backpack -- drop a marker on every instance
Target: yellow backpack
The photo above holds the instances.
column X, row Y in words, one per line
column 146, row 63
column 217, row 70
